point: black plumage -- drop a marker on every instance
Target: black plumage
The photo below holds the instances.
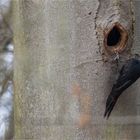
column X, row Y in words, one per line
column 129, row 73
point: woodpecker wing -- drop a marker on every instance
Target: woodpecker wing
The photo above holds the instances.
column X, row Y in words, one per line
column 124, row 77
column 124, row 80
column 113, row 97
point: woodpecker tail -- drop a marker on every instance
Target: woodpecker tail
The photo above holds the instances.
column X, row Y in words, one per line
column 110, row 103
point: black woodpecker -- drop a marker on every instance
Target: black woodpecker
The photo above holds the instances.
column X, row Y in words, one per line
column 129, row 73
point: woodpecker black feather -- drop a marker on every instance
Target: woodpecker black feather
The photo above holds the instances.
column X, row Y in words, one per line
column 129, row 73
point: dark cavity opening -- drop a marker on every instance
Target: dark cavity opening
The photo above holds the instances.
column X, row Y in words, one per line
column 113, row 37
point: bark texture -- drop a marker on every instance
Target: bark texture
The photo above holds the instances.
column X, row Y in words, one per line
column 63, row 73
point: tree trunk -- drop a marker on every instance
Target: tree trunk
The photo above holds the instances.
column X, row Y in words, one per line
column 65, row 67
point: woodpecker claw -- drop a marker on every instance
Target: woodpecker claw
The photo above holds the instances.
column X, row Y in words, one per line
column 117, row 57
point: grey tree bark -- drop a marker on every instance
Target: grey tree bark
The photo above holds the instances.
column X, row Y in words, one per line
column 65, row 68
